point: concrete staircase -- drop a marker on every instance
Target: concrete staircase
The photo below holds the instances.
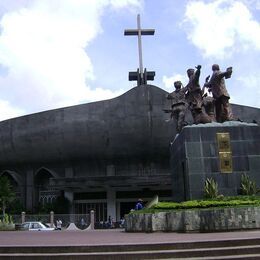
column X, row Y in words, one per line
column 219, row 249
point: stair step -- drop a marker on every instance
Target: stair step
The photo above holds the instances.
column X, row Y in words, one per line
column 200, row 253
column 244, row 257
column 130, row 247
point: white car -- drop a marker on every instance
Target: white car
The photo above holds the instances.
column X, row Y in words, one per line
column 35, row 226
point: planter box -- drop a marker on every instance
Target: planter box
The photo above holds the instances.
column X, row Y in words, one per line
column 197, row 220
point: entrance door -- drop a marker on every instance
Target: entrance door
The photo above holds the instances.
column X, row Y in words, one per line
column 99, row 208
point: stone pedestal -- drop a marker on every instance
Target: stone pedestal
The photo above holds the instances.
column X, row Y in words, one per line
column 196, row 156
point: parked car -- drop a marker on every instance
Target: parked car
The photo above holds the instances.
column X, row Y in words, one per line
column 35, row 226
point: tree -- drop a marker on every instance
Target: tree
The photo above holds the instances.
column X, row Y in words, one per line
column 6, row 193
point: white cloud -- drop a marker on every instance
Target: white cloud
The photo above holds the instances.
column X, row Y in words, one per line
column 247, row 91
column 43, row 45
column 168, row 81
column 250, row 81
column 219, row 28
column 121, row 4
column 8, row 111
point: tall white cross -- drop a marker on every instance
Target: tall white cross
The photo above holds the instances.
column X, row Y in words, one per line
column 139, row 32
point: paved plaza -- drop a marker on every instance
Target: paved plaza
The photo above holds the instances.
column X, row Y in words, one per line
column 112, row 236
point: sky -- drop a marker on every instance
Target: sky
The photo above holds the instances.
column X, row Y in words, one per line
column 58, row 53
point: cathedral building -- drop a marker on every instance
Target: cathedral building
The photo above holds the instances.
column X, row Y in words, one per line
column 102, row 155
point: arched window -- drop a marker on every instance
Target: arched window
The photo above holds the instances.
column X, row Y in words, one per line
column 46, row 195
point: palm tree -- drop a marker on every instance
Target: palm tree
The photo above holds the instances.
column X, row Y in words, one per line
column 6, row 193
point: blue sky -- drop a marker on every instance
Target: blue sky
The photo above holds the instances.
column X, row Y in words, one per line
column 66, row 52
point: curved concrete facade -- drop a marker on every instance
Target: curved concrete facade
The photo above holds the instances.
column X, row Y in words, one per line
column 130, row 125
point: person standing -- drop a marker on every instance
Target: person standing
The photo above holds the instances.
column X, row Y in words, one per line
column 139, row 205
column 109, row 222
column 82, row 223
column 59, row 223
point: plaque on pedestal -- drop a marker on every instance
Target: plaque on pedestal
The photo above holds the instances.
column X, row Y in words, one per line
column 225, row 159
column 225, row 153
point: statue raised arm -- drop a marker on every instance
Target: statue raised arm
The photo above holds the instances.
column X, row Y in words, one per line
column 194, row 96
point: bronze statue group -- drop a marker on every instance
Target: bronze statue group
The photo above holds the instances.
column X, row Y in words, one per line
column 204, row 108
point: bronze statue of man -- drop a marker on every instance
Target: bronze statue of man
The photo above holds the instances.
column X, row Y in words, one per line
column 194, row 97
column 218, row 88
column 179, row 105
column 208, row 102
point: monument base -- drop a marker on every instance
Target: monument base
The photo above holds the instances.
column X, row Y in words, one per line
column 197, row 154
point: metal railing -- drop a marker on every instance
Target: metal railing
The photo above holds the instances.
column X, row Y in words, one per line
column 80, row 220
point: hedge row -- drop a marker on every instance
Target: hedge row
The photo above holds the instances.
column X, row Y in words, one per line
column 212, row 203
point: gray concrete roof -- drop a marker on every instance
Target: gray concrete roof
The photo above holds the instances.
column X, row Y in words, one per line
column 130, row 125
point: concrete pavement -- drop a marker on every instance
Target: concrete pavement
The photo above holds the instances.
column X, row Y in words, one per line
column 112, row 237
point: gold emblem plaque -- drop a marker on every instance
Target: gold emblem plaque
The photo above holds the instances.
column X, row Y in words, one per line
column 223, row 140
column 225, row 162
column 225, row 153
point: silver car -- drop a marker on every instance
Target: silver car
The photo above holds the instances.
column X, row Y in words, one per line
column 35, row 226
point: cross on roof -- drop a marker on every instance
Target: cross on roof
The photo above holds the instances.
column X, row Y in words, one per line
column 141, row 76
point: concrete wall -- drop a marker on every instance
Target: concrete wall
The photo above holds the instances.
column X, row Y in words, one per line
column 198, row 220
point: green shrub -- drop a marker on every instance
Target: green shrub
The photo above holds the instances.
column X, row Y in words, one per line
column 237, row 201
column 6, row 219
column 210, row 188
column 248, row 187
column 6, row 223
